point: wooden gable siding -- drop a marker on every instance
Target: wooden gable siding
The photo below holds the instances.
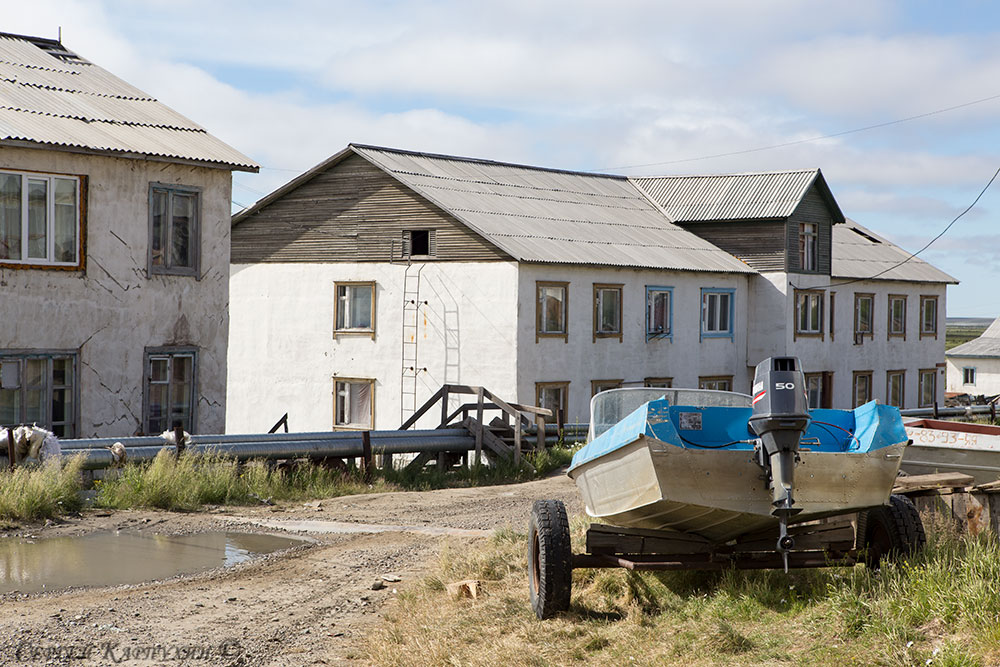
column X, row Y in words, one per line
column 760, row 244
column 352, row 212
column 812, row 208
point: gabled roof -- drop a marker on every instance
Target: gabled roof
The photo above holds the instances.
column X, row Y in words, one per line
column 730, row 197
column 542, row 215
column 860, row 253
column 987, row 345
column 51, row 96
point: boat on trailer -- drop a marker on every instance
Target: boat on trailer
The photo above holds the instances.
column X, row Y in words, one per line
column 946, row 446
column 696, row 479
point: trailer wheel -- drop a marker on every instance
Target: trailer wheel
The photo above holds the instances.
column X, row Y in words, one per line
column 550, row 567
column 893, row 531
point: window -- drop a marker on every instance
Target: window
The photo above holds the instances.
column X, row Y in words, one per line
column 607, row 311
column 420, row 243
column 928, row 316
column 39, row 388
column 659, row 312
column 969, row 375
column 928, row 387
column 353, row 403
column 40, row 219
column 864, row 306
column 716, row 312
column 174, row 234
column 862, row 387
column 808, row 246
column 895, row 383
column 169, row 384
column 354, row 310
column 814, row 390
column 716, row 382
column 552, row 396
column 552, row 310
column 809, row 313
column 897, row 315
column 658, row 383
column 597, row 386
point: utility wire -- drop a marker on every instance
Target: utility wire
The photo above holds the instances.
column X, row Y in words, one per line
column 803, row 141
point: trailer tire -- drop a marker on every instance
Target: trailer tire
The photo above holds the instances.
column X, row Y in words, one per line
column 550, row 556
column 893, row 531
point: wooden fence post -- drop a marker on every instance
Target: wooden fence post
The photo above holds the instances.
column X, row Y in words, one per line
column 479, row 427
column 540, row 440
column 179, row 444
column 10, row 446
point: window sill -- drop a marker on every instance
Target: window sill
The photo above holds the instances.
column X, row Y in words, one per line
column 6, row 264
column 368, row 333
column 539, row 335
column 714, row 334
column 352, row 427
column 669, row 337
column 617, row 335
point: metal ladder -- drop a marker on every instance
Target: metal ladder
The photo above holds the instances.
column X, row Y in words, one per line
column 411, row 319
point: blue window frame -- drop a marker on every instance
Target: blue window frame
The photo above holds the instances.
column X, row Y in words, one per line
column 659, row 312
column 717, row 309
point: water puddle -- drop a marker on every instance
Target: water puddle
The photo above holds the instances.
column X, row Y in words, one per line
column 108, row 559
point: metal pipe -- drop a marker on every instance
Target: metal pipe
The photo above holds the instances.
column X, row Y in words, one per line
column 143, row 441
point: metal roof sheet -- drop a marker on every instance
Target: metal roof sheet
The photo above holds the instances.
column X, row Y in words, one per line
column 859, row 252
column 545, row 215
column 729, row 196
column 987, row 345
column 51, row 96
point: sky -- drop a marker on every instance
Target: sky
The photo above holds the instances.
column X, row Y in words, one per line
column 626, row 87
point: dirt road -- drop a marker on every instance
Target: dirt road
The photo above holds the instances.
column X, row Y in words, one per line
column 304, row 606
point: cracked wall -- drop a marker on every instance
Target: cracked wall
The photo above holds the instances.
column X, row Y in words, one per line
column 112, row 311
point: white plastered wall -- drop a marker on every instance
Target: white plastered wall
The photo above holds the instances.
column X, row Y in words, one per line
column 284, row 357
column 987, row 375
column 112, row 311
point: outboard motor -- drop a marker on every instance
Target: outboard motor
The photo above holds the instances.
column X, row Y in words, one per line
column 780, row 416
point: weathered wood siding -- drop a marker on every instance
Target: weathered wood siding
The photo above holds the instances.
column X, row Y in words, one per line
column 760, row 244
column 812, row 208
column 352, row 212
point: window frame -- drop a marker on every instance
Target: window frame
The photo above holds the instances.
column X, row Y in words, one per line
column 72, row 421
column 819, row 390
column 889, row 375
column 407, row 243
column 890, row 333
column 858, row 375
column 658, row 382
column 540, row 310
column 610, row 287
column 706, row 294
column 808, row 295
column 337, row 379
column 705, row 380
column 651, row 291
column 926, row 299
column 597, row 386
column 858, row 331
column 563, row 386
column 924, row 373
column 195, row 234
column 171, row 352
column 353, row 331
column 968, row 375
column 80, row 224
column 832, row 312
column 809, row 247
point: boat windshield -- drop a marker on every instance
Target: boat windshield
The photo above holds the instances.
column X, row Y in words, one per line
column 611, row 406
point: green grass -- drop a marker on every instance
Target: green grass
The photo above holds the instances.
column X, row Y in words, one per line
column 943, row 606
column 195, row 480
column 40, row 492
column 956, row 335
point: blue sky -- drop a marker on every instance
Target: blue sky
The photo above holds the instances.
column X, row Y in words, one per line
column 594, row 85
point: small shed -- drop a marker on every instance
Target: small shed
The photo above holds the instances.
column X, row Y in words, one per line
column 974, row 367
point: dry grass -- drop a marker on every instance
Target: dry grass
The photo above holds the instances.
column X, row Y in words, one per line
column 944, row 606
column 40, row 492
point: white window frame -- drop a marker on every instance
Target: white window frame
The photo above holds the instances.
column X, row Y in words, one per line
column 892, row 331
column 600, row 289
column 928, row 306
column 809, row 320
column 714, row 302
column 50, row 220
column 344, row 394
column 926, row 373
column 541, row 288
column 809, row 246
column 889, row 375
column 342, row 305
column 856, row 386
column 659, row 329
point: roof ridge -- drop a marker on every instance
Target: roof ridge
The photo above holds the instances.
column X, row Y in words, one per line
column 731, row 174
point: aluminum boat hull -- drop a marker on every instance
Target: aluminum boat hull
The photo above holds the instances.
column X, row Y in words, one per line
column 943, row 446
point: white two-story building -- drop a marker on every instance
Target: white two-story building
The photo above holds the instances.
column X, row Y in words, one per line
column 362, row 286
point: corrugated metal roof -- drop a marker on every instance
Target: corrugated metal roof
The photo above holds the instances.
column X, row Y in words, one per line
column 51, row 96
column 751, row 196
column 859, row 252
column 546, row 215
column 987, row 345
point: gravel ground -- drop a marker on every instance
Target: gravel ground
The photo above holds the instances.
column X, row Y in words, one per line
column 303, row 606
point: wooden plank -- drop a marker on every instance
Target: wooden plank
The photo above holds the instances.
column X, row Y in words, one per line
column 479, row 427
column 416, row 464
column 421, row 410
column 938, row 480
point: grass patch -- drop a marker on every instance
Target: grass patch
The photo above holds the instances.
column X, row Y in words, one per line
column 942, row 606
column 957, row 334
column 194, row 480
column 40, row 492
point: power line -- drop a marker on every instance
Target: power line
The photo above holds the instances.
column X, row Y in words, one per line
column 803, row 141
